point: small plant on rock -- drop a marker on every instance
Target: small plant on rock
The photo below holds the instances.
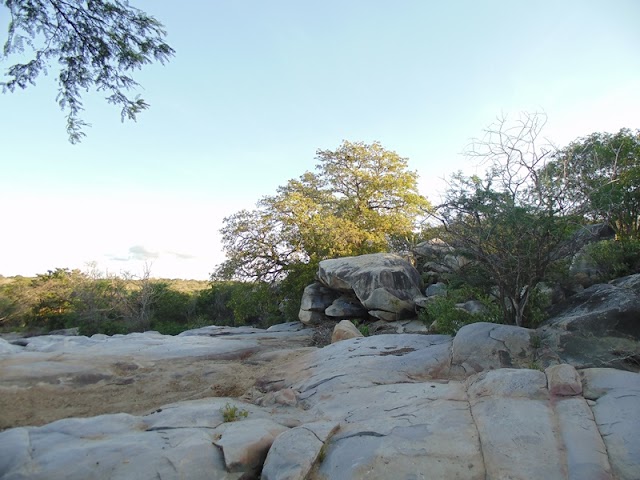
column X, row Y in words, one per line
column 231, row 413
column 362, row 327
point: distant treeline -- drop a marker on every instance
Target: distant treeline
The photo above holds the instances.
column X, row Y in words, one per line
column 64, row 298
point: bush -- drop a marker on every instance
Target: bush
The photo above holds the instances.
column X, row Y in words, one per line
column 615, row 258
column 449, row 318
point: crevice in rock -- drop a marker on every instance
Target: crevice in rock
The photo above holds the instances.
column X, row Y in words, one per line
column 325, row 381
column 363, row 434
column 475, row 424
column 312, row 433
column 595, row 422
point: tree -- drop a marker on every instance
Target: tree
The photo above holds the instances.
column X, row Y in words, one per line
column 600, row 174
column 97, row 44
column 508, row 224
column 360, row 198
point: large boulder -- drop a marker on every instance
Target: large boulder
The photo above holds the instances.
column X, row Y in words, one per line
column 316, row 298
column 344, row 331
column 385, row 284
column 598, row 327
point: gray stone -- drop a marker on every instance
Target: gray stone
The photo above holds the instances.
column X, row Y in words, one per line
column 294, row 452
column 345, row 307
column 472, row 307
column 308, row 317
column 563, row 380
column 585, row 450
column 345, row 330
column 516, row 425
column 437, row 289
column 110, row 446
column 599, row 327
column 317, row 297
column 7, row 348
column 245, row 443
column 381, row 281
column 484, row 346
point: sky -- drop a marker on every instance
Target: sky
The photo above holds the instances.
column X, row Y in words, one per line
column 255, row 88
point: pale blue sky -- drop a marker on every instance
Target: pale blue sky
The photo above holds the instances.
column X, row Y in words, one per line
column 256, row 87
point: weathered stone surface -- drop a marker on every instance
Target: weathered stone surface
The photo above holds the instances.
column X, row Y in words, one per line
column 484, row 346
column 405, row 408
column 599, row 327
column 316, row 297
column 435, row 290
column 617, row 413
column 345, row 307
column 515, row 424
column 308, row 317
column 295, row 451
column 472, row 307
column 381, row 281
column 585, row 450
column 401, row 326
column 245, row 443
column 563, row 380
column 344, row 331
column 109, row 447
column 7, row 348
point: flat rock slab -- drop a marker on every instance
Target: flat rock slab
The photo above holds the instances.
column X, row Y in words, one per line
column 388, row 406
column 51, row 377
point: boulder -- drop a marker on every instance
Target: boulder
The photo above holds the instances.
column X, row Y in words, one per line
column 345, row 330
column 315, row 300
column 245, row 443
column 437, row 289
column 472, row 307
column 598, row 327
column 617, row 413
column 344, row 307
column 385, row 284
column 295, row 452
column 486, row 346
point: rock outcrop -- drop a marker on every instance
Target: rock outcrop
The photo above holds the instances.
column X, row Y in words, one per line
column 385, row 406
column 381, row 285
column 598, row 327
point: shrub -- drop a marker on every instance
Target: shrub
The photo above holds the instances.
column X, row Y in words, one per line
column 615, row 258
column 231, row 413
column 449, row 318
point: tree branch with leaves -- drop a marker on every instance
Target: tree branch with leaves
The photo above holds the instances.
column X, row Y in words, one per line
column 97, row 44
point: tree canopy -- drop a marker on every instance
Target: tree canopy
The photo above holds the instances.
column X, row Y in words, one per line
column 509, row 224
column 358, row 201
column 600, row 177
column 96, row 44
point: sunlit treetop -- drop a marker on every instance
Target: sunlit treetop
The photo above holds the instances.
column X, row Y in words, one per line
column 95, row 45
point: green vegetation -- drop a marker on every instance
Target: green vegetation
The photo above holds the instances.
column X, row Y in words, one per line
column 615, row 258
column 598, row 176
column 362, row 199
column 231, row 413
column 95, row 45
column 449, row 318
column 362, row 327
column 512, row 229
column 64, row 298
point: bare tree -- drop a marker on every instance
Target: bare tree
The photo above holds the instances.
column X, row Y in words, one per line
column 507, row 223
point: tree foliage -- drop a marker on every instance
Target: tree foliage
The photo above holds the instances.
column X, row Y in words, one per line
column 359, row 199
column 96, row 44
column 508, row 223
column 600, row 175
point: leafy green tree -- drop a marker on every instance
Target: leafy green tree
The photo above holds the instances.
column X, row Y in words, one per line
column 599, row 175
column 359, row 199
column 507, row 223
column 97, row 44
